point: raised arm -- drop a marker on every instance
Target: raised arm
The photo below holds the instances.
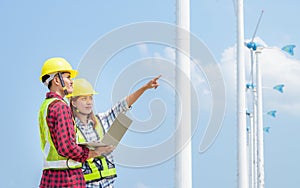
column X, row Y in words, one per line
column 109, row 116
column 134, row 96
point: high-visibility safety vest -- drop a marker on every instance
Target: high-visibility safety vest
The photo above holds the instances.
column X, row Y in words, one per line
column 52, row 160
column 107, row 171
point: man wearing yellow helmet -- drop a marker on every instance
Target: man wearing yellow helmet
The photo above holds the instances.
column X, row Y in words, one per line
column 99, row 172
column 62, row 156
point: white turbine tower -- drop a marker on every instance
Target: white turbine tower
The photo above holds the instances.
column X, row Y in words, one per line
column 243, row 178
column 256, row 141
column 256, row 151
column 183, row 160
column 260, row 127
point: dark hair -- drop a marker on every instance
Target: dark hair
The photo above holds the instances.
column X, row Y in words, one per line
column 44, row 78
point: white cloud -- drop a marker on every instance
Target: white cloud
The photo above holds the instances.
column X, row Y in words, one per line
column 169, row 53
column 197, row 77
column 277, row 67
column 157, row 55
column 228, row 67
column 141, row 185
column 143, row 49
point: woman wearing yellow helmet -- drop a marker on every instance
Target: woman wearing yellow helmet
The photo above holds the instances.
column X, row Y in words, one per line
column 100, row 171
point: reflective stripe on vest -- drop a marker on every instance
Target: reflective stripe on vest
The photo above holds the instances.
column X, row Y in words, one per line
column 96, row 173
column 52, row 160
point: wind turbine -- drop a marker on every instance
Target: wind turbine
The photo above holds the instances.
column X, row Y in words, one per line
column 256, row 143
column 256, row 150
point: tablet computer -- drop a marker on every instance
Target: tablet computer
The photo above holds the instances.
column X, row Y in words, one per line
column 114, row 133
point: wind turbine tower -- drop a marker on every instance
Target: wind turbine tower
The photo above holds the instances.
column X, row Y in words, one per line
column 243, row 178
column 183, row 159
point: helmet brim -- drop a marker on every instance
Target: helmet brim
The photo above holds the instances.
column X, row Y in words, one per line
column 73, row 73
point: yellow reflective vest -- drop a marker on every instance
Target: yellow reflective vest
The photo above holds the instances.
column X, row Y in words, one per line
column 52, row 160
column 96, row 172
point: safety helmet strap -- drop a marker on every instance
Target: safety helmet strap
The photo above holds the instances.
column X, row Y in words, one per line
column 62, row 83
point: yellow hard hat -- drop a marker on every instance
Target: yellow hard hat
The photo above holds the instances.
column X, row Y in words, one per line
column 82, row 87
column 57, row 64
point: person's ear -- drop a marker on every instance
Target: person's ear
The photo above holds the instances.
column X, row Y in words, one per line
column 73, row 104
column 56, row 80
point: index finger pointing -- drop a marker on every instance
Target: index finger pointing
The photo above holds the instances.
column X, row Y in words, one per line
column 156, row 78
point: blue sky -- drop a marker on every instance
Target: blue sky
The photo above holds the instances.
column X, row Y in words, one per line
column 32, row 31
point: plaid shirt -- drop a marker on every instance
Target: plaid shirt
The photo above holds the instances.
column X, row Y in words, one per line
column 61, row 127
column 90, row 134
